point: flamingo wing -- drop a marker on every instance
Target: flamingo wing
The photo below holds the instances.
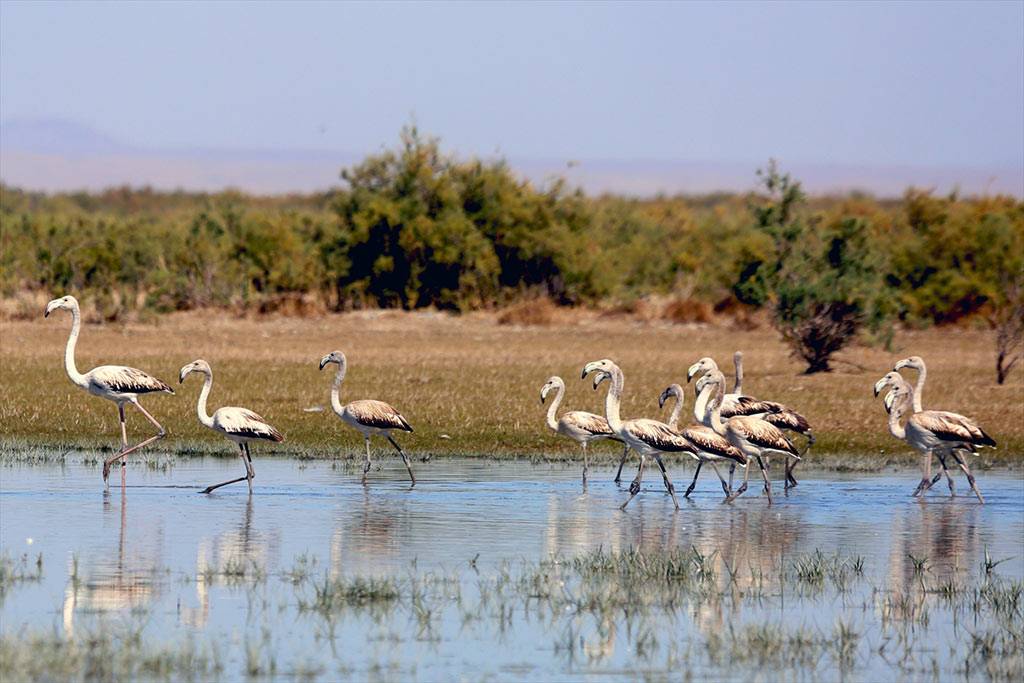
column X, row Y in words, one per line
column 242, row 422
column 121, row 379
column 377, row 414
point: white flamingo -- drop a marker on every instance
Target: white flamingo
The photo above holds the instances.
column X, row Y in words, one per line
column 917, row 363
column 649, row 438
column 368, row 416
column 579, row 425
column 711, row 446
column 931, row 431
column 117, row 383
column 237, row 424
column 736, row 404
column 751, row 435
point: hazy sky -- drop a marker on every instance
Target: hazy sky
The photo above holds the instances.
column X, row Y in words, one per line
column 880, row 83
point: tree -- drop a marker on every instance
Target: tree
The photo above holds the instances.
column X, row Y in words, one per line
column 821, row 280
column 955, row 259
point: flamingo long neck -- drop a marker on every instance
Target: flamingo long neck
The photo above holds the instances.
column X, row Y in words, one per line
column 714, row 414
column 553, row 408
column 69, row 351
column 339, row 377
column 919, row 388
column 737, row 385
column 700, row 407
column 204, row 417
column 677, row 409
column 613, row 400
column 895, row 428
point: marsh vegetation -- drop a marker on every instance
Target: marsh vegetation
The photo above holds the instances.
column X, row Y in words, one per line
column 368, row 585
column 469, row 385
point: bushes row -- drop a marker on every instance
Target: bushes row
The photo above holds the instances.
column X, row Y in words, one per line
column 414, row 227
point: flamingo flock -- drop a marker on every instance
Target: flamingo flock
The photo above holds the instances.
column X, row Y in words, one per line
column 731, row 428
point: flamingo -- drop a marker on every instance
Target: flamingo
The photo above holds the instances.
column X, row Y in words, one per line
column 118, row 383
column 368, row 416
column 580, row 426
column 735, row 404
column 236, row 424
column 917, row 363
column 751, row 435
column 931, row 431
column 711, row 446
column 646, row 437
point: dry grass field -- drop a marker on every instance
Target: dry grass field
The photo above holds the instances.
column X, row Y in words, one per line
column 468, row 384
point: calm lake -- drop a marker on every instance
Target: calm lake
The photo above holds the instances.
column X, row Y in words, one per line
column 478, row 556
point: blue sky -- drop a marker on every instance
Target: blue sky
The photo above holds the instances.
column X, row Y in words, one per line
column 880, row 83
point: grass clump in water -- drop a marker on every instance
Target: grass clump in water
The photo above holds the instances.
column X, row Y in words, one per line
column 333, row 595
column 16, row 571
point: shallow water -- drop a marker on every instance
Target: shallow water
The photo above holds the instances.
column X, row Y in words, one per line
column 157, row 556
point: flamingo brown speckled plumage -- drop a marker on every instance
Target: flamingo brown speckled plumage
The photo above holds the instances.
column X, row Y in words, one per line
column 579, row 425
column 118, row 383
column 931, row 432
column 368, row 416
column 239, row 425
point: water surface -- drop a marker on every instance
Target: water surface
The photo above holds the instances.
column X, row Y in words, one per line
column 220, row 568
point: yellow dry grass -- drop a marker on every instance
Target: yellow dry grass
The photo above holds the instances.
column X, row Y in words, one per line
column 467, row 384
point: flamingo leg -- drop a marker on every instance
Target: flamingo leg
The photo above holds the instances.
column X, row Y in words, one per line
column 791, row 481
column 689, row 489
column 124, row 446
column 366, row 464
column 634, row 487
column 161, row 433
column 622, row 461
column 970, row 477
column 725, row 486
column 405, row 459
column 124, row 427
column 926, row 474
column 791, row 463
column 764, row 475
column 247, row 477
column 743, row 487
column 584, row 464
column 668, row 483
column 943, row 471
column 249, row 469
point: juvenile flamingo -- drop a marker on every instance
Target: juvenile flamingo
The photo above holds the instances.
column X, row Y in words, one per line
column 649, row 438
column 751, row 435
column 368, row 416
column 237, row 424
column 735, row 404
column 579, row 425
column 117, row 383
column 931, row 431
column 711, row 446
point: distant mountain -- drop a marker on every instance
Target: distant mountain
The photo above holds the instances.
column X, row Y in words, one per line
column 56, row 136
column 57, row 155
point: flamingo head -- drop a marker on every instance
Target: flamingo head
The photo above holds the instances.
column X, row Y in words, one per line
column 66, row 303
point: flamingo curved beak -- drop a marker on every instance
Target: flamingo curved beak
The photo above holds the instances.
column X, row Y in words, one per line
column 693, row 370
column 661, row 399
column 324, row 361
column 881, row 384
column 901, row 364
column 183, row 373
